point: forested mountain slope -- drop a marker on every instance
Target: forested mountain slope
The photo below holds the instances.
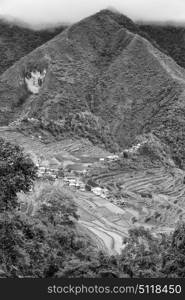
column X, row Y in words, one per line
column 170, row 38
column 16, row 41
column 100, row 68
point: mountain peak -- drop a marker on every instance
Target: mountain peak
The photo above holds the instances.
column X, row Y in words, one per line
column 98, row 70
column 114, row 15
column 101, row 30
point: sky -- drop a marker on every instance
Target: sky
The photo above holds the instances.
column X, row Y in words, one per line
column 37, row 12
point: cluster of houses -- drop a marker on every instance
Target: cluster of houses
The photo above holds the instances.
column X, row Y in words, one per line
column 126, row 152
column 110, row 158
column 47, row 173
column 135, row 148
column 50, row 170
column 101, row 192
column 74, row 182
column 77, row 183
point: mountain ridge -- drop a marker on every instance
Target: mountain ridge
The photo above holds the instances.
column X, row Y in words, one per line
column 101, row 67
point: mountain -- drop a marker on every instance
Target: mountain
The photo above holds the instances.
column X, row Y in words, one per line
column 101, row 68
column 103, row 86
column 17, row 40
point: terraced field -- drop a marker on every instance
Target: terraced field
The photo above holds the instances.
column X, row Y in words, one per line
column 153, row 197
column 103, row 219
column 155, row 191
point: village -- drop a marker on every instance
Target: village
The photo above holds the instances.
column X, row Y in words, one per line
column 73, row 177
column 72, row 181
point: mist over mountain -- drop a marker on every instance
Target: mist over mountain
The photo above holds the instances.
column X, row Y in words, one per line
column 168, row 37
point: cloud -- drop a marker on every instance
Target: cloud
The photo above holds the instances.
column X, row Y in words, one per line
column 53, row 11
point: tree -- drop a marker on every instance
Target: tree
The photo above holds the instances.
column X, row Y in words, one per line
column 142, row 256
column 174, row 257
column 17, row 173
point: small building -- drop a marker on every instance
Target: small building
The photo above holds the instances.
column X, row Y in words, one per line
column 100, row 192
column 72, row 183
column 113, row 157
column 102, row 159
column 96, row 190
column 82, row 189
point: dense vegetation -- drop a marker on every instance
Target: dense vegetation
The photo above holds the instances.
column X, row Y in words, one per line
column 35, row 245
column 81, row 124
column 17, row 41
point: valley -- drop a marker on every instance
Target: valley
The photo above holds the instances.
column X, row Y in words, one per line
column 92, row 160
column 153, row 198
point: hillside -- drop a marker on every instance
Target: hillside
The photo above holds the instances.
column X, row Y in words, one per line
column 100, row 66
column 17, row 41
